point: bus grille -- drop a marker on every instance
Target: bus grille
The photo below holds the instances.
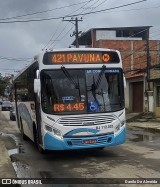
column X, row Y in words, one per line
column 105, row 139
column 87, row 120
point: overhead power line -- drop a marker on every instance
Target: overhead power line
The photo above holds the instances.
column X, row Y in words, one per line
column 99, row 4
column 51, row 39
column 15, row 59
column 76, row 32
column 58, row 36
column 43, row 11
column 137, row 9
column 75, row 15
column 103, row 10
column 63, row 36
column 80, row 8
column 54, row 40
column 134, row 52
column 88, row 8
column 124, row 58
column 141, row 56
column 7, row 69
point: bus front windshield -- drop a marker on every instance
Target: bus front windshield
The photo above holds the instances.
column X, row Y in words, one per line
column 73, row 91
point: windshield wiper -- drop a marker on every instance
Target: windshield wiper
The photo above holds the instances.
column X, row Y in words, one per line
column 96, row 84
column 100, row 76
column 70, row 78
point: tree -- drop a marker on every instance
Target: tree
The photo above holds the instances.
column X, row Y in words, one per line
column 2, row 87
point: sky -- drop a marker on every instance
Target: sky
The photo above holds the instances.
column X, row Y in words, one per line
column 20, row 41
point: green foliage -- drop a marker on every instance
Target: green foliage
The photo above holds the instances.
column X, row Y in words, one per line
column 2, row 87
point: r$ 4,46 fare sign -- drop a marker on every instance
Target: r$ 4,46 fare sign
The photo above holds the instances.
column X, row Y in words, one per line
column 69, row 107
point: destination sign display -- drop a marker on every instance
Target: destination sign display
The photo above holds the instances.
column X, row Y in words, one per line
column 81, row 57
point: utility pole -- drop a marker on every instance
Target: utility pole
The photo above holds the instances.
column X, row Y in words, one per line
column 148, row 63
column 76, row 32
column 148, row 67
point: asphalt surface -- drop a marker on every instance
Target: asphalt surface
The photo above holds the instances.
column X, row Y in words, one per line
column 137, row 158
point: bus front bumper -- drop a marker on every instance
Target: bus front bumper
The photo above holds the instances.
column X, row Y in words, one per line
column 53, row 143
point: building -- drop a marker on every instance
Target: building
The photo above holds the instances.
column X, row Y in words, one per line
column 138, row 55
column 155, row 78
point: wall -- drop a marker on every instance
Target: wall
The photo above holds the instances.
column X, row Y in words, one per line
column 134, row 59
column 133, row 53
column 156, row 106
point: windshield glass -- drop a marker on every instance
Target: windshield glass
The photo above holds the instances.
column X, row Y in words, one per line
column 70, row 91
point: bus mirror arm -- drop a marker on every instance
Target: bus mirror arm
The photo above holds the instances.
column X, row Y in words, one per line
column 124, row 82
column 37, row 73
column 37, row 86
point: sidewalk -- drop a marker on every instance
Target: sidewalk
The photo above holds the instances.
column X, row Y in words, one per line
column 6, row 168
column 143, row 120
column 130, row 117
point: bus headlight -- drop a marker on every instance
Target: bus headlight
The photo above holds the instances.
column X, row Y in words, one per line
column 56, row 132
column 117, row 128
column 48, row 128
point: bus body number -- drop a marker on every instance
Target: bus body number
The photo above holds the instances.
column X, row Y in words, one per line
column 104, row 127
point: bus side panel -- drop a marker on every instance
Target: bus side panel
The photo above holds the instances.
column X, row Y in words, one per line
column 24, row 98
column 26, row 120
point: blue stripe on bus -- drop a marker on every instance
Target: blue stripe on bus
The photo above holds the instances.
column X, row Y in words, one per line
column 53, row 143
column 78, row 130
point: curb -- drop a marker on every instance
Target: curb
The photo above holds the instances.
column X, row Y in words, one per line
column 6, row 168
column 150, row 128
column 133, row 118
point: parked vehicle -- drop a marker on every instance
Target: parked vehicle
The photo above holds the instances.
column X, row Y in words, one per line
column 12, row 114
column 6, row 105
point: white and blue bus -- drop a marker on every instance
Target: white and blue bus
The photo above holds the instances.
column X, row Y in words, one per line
column 72, row 99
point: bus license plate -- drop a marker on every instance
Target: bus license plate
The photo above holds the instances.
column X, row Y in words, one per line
column 89, row 141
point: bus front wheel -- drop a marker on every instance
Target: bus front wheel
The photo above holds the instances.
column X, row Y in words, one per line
column 40, row 149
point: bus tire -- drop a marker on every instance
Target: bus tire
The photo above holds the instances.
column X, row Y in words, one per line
column 24, row 137
column 40, row 149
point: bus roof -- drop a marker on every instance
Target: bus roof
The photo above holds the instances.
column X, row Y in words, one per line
column 80, row 49
column 61, row 50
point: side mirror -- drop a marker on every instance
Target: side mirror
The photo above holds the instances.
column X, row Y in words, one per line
column 37, row 74
column 37, row 86
column 124, row 82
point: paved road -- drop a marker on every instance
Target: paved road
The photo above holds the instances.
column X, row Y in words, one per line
column 137, row 158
